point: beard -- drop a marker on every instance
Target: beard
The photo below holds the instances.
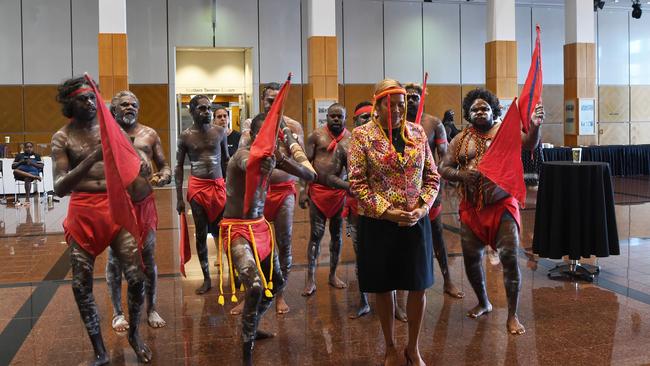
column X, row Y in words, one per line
column 411, row 111
column 128, row 119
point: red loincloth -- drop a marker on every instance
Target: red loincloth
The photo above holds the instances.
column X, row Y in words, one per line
column 328, row 200
column 434, row 212
column 485, row 222
column 230, row 229
column 351, row 206
column 89, row 222
column 147, row 216
column 275, row 197
column 209, row 193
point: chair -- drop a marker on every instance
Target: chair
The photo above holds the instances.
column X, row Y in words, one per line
column 22, row 183
column 3, row 200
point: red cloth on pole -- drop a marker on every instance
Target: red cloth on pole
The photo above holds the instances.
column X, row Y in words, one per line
column 502, row 162
column 418, row 116
column 184, row 244
column 121, row 166
column 264, row 145
column 532, row 90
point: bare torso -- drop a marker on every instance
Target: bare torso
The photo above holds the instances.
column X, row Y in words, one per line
column 204, row 148
column 236, row 189
column 322, row 160
column 72, row 144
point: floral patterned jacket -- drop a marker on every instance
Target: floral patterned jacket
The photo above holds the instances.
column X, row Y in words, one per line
column 381, row 178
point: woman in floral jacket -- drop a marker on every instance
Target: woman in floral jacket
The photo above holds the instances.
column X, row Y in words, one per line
column 394, row 177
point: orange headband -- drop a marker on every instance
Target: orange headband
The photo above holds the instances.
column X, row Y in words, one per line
column 362, row 110
column 390, row 91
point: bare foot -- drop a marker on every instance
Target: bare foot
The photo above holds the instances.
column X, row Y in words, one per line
column 141, row 349
column 479, row 310
column 451, row 290
column 281, row 306
column 336, row 282
column 391, row 357
column 263, row 335
column 363, row 310
column 514, row 326
column 413, row 358
column 237, row 309
column 119, row 323
column 207, row 284
column 400, row 314
column 309, row 289
column 155, row 320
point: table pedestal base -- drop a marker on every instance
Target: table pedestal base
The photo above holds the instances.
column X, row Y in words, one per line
column 575, row 270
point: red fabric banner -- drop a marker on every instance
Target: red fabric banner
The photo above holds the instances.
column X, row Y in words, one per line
column 531, row 93
column 264, row 145
column 502, row 162
column 121, row 166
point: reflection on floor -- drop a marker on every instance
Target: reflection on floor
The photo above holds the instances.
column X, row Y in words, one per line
column 579, row 323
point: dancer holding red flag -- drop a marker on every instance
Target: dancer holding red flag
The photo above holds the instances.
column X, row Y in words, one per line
column 206, row 146
column 246, row 236
column 490, row 189
column 100, row 213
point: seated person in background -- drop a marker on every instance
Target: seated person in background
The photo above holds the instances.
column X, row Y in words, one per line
column 27, row 167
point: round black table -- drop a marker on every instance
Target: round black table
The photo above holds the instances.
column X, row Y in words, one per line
column 575, row 211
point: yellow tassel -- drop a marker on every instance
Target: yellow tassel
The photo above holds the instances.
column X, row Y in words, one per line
column 268, row 293
column 270, row 286
column 241, row 287
column 221, row 300
column 233, row 298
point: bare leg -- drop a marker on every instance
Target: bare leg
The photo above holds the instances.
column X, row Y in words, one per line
column 400, row 313
column 126, row 248
column 151, row 281
column 201, row 230
column 507, row 244
column 83, row 265
column 114, row 284
column 440, row 250
column 283, row 229
column 255, row 302
column 472, row 255
column 385, row 310
column 364, row 307
column 415, row 306
column 317, row 222
column 336, row 242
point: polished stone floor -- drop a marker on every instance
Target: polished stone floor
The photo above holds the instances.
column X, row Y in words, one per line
column 577, row 323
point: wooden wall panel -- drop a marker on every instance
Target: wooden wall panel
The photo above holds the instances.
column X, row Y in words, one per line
column 42, row 111
column 614, row 133
column 639, row 133
column 553, row 99
column 154, row 104
column 11, row 108
column 354, row 94
column 441, row 98
column 640, row 108
column 614, row 103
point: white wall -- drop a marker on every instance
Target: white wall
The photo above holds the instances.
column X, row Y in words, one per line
column 363, row 42
column 473, row 27
column 640, row 50
column 210, row 69
column 551, row 20
column 613, row 66
column 442, row 42
column 11, row 50
column 147, row 39
column 403, row 41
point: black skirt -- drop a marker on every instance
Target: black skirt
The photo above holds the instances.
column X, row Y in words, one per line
column 392, row 257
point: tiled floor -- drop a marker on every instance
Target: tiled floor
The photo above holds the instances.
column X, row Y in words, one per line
column 567, row 322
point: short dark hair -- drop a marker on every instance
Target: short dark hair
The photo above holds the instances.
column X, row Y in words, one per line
column 270, row 86
column 336, row 104
column 28, row 142
column 195, row 101
column 362, row 104
column 486, row 95
column 257, row 122
column 67, row 88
